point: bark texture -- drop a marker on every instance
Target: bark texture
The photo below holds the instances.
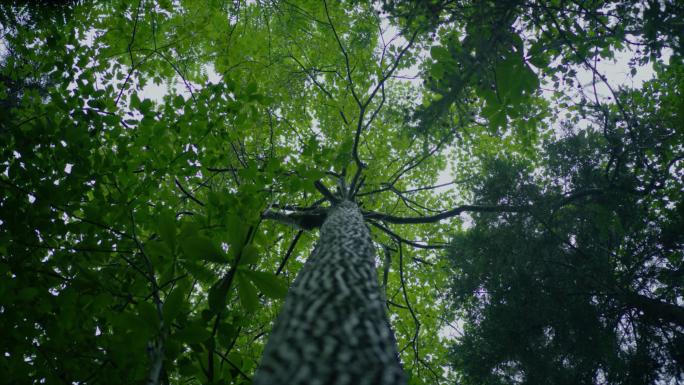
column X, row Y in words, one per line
column 332, row 328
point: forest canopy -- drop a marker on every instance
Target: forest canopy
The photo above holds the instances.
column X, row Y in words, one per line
column 166, row 167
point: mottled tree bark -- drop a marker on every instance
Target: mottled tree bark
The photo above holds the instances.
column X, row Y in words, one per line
column 332, row 328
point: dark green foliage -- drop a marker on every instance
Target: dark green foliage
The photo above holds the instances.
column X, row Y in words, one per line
column 584, row 287
column 499, row 51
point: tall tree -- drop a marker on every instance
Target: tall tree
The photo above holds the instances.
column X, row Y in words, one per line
column 333, row 328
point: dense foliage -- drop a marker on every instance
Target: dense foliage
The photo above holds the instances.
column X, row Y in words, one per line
column 162, row 165
column 581, row 280
column 585, row 285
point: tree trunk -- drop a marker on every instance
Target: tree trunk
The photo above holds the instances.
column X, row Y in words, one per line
column 332, row 328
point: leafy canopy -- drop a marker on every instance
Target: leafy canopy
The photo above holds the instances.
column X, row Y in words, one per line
column 162, row 165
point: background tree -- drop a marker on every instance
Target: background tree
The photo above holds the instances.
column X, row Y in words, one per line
column 582, row 287
column 576, row 284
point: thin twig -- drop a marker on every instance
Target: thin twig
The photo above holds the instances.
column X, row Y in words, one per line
column 406, row 241
column 289, row 251
column 416, row 322
column 187, row 193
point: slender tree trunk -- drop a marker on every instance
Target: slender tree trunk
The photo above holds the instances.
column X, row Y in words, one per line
column 332, row 328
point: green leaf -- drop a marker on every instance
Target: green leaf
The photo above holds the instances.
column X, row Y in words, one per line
column 251, row 88
column 189, row 229
column 236, row 233
column 147, row 313
column 167, row 228
column 218, row 296
column 508, row 78
column 157, row 249
column 27, row 293
column 173, row 304
column 193, row 333
column 135, row 101
column 202, row 248
column 268, row 283
column 248, row 294
column 178, row 101
column 249, row 255
column 199, row 271
column 146, row 106
column 187, row 369
column 226, row 331
column 439, row 53
column 528, row 79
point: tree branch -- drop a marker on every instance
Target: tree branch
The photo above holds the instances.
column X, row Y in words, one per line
column 155, row 346
column 403, row 240
column 444, row 215
column 305, row 220
column 344, row 53
column 414, row 341
column 187, row 193
column 361, row 126
column 289, row 251
column 325, row 192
